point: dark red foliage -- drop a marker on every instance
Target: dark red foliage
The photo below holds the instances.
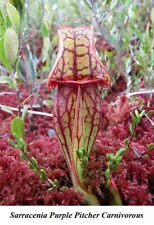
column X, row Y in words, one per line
column 134, row 178
column 19, row 185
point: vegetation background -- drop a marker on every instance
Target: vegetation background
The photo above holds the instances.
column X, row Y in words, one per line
column 124, row 37
column 123, row 30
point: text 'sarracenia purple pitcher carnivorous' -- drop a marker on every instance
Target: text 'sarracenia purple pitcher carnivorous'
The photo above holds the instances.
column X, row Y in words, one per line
column 77, row 74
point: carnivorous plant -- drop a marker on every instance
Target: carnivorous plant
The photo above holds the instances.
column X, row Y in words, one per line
column 78, row 75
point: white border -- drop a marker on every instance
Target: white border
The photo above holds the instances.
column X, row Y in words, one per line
column 147, row 211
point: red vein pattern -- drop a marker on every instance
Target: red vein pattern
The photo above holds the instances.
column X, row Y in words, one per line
column 77, row 61
column 77, row 111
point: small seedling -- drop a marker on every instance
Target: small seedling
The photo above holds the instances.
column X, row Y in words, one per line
column 136, row 119
column 18, row 132
column 82, row 158
column 113, row 161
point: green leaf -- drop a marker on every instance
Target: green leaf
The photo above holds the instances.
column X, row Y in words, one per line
column 76, row 8
column 51, row 182
column 55, row 183
column 79, row 154
column 24, row 157
column 17, row 65
column 17, row 72
column 11, row 143
column 3, row 58
column 147, row 36
column 150, row 146
column 83, row 152
column 13, row 15
column 136, row 113
column 64, row 188
column 107, row 173
column 31, row 166
column 11, row 45
column 110, row 157
column 132, row 115
column 141, row 105
column 7, row 109
column 2, row 23
column 17, row 127
column 37, row 171
column 42, row 178
column 131, row 129
column 17, row 79
column 134, row 122
column 24, row 113
column 115, row 165
column 142, row 114
column 113, row 4
column 119, row 159
column 23, row 145
column 126, row 142
column 150, row 112
column 152, row 15
column 34, row 161
column 47, row 102
column 113, row 158
column 120, row 152
column 50, row 189
column 16, row 137
column 44, row 31
column 44, row 173
column 31, row 66
column 46, row 47
column 7, row 80
column 85, row 161
column 8, row 23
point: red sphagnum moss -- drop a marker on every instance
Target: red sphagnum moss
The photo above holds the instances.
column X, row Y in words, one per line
column 134, row 177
